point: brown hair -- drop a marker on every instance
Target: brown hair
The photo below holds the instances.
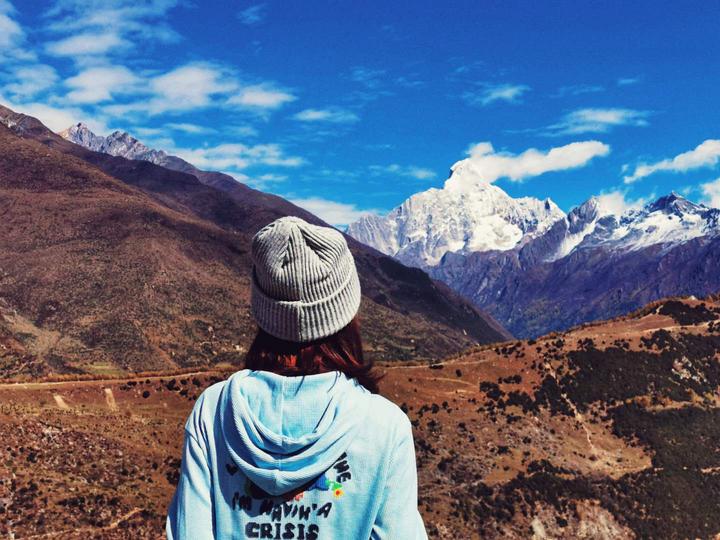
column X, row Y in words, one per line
column 339, row 352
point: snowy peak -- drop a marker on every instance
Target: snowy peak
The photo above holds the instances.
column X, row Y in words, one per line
column 118, row 143
column 80, row 134
column 584, row 215
column 668, row 221
column 675, row 204
column 464, row 176
column 467, row 215
column 471, row 215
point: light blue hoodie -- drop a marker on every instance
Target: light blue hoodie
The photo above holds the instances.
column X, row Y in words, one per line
column 307, row 458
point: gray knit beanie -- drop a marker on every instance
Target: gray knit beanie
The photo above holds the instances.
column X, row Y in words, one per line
column 305, row 285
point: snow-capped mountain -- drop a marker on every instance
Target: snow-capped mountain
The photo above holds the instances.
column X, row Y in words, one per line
column 118, row 143
column 523, row 260
column 467, row 215
column 668, row 221
column 537, row 269
column 593, row 264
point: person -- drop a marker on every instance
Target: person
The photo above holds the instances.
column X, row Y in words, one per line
column 299, row 444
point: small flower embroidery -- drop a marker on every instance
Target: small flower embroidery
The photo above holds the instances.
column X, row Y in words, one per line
column 323, row 483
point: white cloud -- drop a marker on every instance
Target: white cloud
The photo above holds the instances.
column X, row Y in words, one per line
column 264, row 182
column 335, row 115
column 411, row 171
column 253, row 15
column 97, row 84
column 377, row 83
column 12, row 36
column 335, row 213
column 31, row 79
column 187, row 87
column 616, row 202
column 705, row 155
column 100, row 28
column 597, row 120
column 577, row 89
column 627, row 81
column 56, row 118
column 233, row 156
column 374, row 82
column 193, row 86
column 272, row 178
column 10, row 31
column 490, row 165
column 150, row 132
column 241, row 130
column 510, row 93
column 187, row 127
column 87, row 44
column 261, row 96
column 711, row 193
column 370, row 78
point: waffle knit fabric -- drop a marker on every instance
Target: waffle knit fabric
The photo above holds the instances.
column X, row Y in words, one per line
column 305, row 284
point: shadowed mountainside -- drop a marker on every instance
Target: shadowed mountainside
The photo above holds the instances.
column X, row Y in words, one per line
column 532, row 296
column 605, row 431
column 117, row 264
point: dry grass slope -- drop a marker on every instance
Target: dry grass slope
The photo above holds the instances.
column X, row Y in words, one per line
column 606, row 431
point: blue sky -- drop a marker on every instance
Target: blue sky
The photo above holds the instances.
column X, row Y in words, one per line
column 348, row 107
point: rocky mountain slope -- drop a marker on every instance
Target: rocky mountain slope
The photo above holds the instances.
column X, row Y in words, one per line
column 593, row 265
column 670, row 220
column 122, row 144
column 112, row 264
column 606, row 431
column 536, row 269
column 117, row 143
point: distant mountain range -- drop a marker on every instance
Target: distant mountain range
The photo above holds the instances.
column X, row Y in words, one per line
column 119, row 143
column 109, row 264
column 537, row 269
column 122, row 144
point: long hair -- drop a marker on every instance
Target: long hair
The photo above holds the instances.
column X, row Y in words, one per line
column 339, row 352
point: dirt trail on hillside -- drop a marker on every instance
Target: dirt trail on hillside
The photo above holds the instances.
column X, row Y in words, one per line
column 60, row 401
column 110, row 381
column 94, row 530
column 110, row 399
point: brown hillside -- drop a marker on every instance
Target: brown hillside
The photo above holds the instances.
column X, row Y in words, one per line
column 141, row 267
column 125, row 282
column 605, row 431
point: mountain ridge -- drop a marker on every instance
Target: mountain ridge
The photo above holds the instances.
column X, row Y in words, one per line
column 611, row 269
column 405, row 313
column 589, row 264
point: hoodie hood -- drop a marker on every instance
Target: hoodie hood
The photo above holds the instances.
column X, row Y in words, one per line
column 283, row 432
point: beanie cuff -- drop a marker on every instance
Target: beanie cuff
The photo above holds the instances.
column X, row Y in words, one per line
column 307, row 321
